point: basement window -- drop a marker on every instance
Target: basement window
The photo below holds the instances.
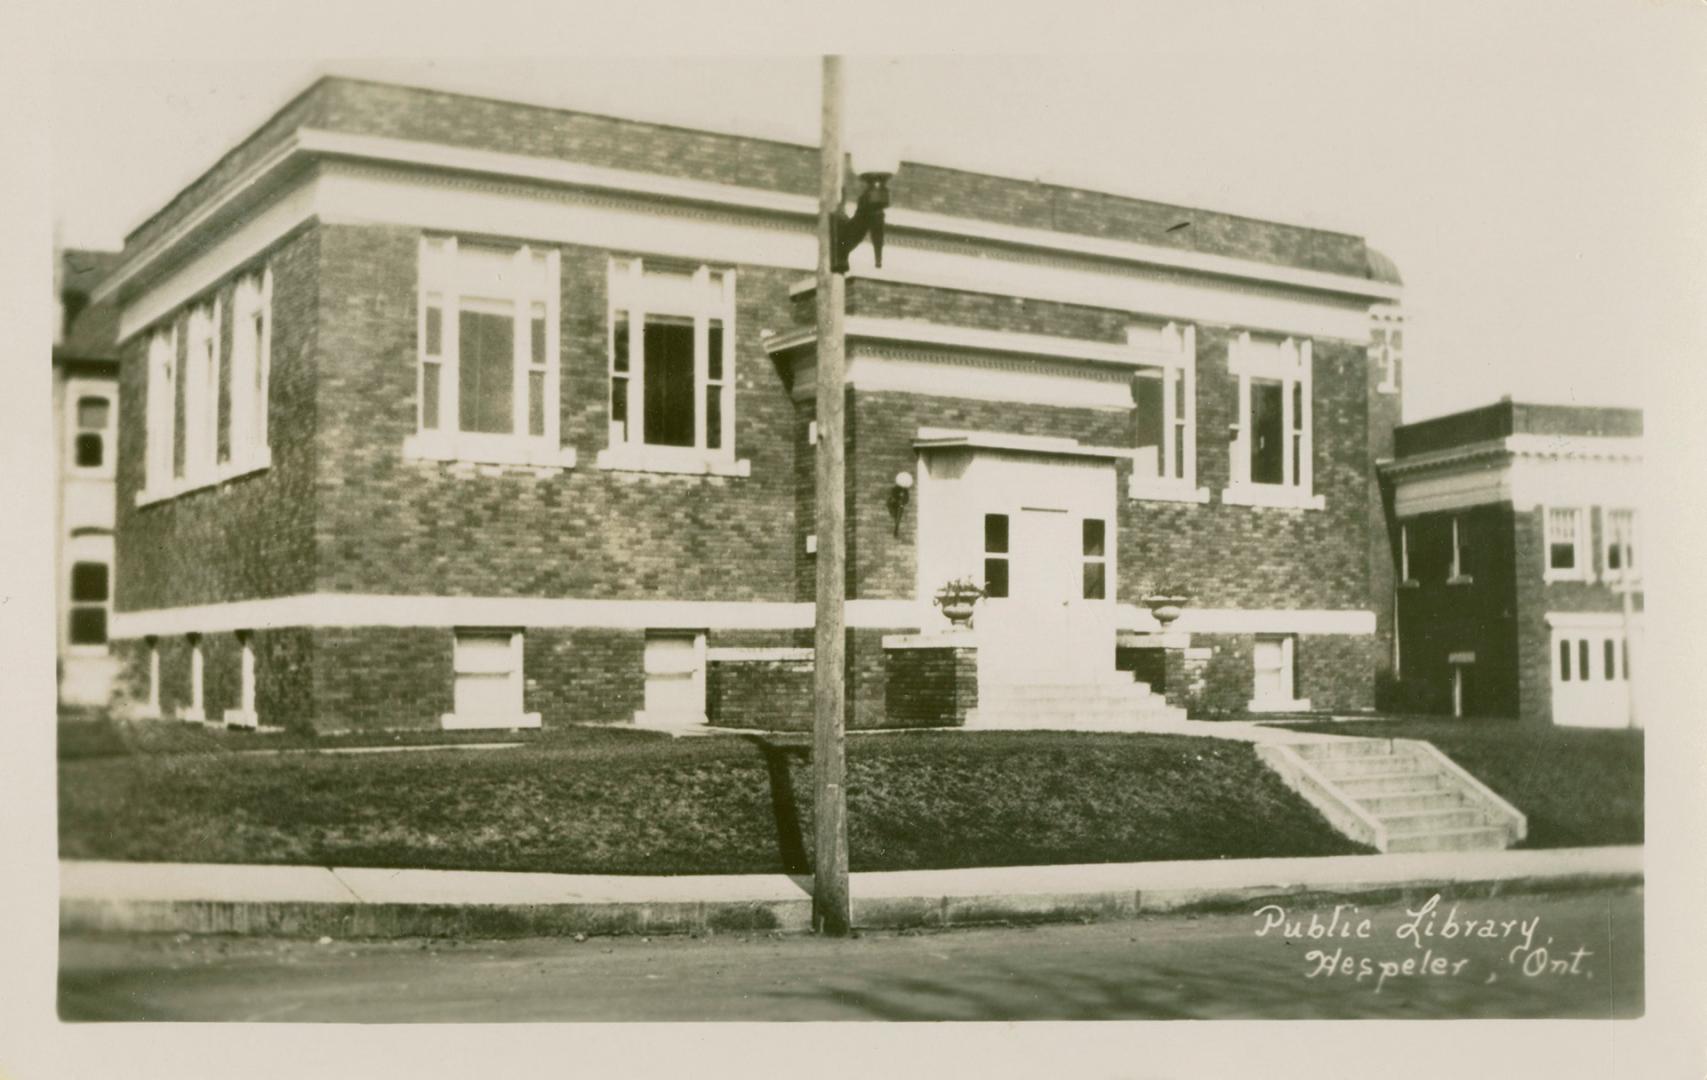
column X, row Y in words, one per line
column 487, row 681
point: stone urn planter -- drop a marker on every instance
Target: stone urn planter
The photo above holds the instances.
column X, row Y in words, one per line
column 957, row 599
column 1166, row 608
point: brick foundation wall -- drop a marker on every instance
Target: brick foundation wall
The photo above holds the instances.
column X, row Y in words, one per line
column 372, row 678
column 773, row 695
column 930, row 687
column 584, row 676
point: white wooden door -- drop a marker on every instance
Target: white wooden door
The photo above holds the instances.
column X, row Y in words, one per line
column 1590, row 678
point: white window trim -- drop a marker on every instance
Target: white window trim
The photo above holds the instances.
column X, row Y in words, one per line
column 1631, row 572
column 1385, row 322
column 202, row 469
column 1582, row 571
column 97, row 550
column 1406, row 581
column 451, row 721
column 1288, row 654
column 76, row 390
column 632, row 292
column 1291, row 364
column 244, row 715
column 1177, row 361
column 251, row 372
column 1457, row 576
column 443, row 277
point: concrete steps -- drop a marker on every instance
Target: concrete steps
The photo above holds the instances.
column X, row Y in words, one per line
column 1397, row 794
column 1102, row 706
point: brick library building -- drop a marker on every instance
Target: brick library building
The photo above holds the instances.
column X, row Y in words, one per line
column 441, row 411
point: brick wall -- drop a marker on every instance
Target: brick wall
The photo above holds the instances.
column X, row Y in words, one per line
column 1506, row 417
column 930, row 687
column 584, row 676
column 1438, row 619
column 773, row 695
column 252, row 536
column 584, row 532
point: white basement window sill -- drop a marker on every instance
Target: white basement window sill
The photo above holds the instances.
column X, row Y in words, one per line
column 1161, row 491
column 227, row 472
column 532, row 453
column 1461, row 579
column 1294, row 705
column 1271, row 495
column 664, row 459
column 512, row 721
column 192, row 715
column 1410, row 583
column 237, row 718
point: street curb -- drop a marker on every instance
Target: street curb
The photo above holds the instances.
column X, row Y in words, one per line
column 925, row 909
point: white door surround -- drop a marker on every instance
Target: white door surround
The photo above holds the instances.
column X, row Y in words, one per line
column 1016, row 516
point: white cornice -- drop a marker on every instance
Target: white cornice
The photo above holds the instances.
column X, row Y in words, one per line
column 914, row 332
column 308, row 143
column 1491, row 452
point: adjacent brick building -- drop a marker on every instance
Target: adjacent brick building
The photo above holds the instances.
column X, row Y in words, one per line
column 443, row 410
column 1519, row 591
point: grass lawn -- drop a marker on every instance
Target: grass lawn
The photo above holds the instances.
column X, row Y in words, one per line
column 614, row 801
column 1578, row 787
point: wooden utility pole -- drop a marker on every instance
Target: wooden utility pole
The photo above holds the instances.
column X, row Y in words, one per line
column 830, row 907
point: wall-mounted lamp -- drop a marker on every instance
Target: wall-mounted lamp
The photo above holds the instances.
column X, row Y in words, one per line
column 899, row 496
column 874, row 171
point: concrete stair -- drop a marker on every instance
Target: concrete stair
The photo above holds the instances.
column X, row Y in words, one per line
column 1397, row 794
column 1100, row 706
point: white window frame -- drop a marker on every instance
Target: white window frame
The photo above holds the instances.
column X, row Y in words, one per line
column 76, row 392
column 201, row 396
column 527, row 282
column 1457, row 576
column 251, row 372
column 244, row 715
column 161, row 408
column 1288, row 361
column 509, row 718
column 1290, row 702
column 1169, row 355
column 94, row 551
column 1581, row 571
column 1405, row 578
column 1631, row 571
column 695, row 677
column 708, row 294
column 1386, row 356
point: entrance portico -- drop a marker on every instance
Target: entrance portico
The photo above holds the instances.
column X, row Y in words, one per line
column 1032, row 520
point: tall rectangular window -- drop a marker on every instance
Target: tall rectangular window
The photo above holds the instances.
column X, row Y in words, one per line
column 996, row 556
column 90, row 594
column 672, row 360
column 1094, row 547
column 1164, row 464
column 201, row 395
column 1566, row 544
column 161, row 408
column 251, row 369
column 1272, row 446
column 93, row 432
column 1618, row 528
column 488, row 357
column 1460, row 573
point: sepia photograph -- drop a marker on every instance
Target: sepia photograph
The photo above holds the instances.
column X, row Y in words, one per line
column 867, row 534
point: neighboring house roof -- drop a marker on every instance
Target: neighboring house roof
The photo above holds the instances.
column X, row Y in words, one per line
column 1382, row 268
column 93, row 332
column 1505, row 418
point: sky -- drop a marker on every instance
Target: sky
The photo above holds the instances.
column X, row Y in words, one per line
column 1536, row 171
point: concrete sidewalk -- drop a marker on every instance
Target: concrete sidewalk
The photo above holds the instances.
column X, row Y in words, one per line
column 355, row 902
